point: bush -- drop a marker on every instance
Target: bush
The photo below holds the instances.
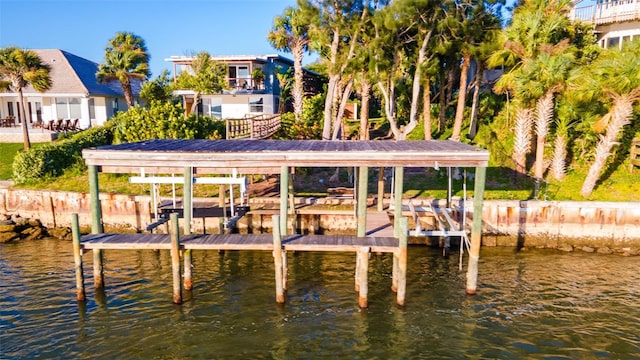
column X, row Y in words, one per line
column 164, row 120
column 310, row 125
column 50, row 160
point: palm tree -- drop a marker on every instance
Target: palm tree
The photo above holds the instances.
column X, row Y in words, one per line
column 522, row 144
column 291, row 33
column 125, row 58
column 19, row 68
column 612, row 81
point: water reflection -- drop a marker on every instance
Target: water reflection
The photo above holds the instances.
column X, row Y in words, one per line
column 533, row 304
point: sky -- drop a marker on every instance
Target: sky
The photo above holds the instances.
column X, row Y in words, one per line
column 179, row 27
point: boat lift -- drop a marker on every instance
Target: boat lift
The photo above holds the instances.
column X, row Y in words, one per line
column 229, row 221
column 446, row 226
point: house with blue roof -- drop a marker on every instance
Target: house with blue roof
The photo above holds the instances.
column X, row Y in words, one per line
column 75, row 93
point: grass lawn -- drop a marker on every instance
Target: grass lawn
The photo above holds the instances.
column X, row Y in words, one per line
column 419, row 183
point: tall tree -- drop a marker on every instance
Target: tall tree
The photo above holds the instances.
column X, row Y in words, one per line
column 125, row 58
column 291, row 33
column 477, row 25
column 611, row 82
column 204, row 76
column 158, row 89
column 19, row 68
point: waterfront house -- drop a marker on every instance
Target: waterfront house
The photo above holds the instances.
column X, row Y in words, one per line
column 252, row 85
column 75, row 93
column 615, row 21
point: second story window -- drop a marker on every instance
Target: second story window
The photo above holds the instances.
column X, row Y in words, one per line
column 239, row 77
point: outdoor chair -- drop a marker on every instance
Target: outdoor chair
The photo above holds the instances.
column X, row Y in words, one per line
column 57, row 126
column 74, row 125
column 37, row 124
column 66, row 125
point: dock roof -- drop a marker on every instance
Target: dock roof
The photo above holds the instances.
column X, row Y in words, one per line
column 267, row 155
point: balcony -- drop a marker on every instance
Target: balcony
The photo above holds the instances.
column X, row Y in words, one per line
column 244, row 85
column 608, row 12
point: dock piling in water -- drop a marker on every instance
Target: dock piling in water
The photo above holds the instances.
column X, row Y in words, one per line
column 77, row 256
column 362, row 271
column 175, row 259
column 278, row 261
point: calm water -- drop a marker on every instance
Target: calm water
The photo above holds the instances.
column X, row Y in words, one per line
column 535, row 304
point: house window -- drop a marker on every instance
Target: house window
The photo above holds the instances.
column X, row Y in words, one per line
column 613, row 42
column 10, row 108
column 212, row 107
column 68, row 108
column 239, row 76
column 256, row 105
column 115, row 105
column 92, row 109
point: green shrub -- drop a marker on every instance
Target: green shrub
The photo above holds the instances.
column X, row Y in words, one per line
column 309, row 126
column 164, row 120
column 50, row 160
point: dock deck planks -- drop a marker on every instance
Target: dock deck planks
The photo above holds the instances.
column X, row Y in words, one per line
column 337, row 243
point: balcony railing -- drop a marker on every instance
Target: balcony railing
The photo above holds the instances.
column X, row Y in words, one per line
column 239, row 84
column 609, row 12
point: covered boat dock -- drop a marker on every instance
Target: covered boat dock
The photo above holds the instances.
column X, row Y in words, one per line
column 194, row 158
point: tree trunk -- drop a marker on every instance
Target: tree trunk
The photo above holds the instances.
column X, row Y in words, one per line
column 426, row 108
column 544, row 107
column 473, row 126
column 462, row 97
column 620, row 116
column 522, row 144
column 365, row 95
column 298, row 81
column 23, row 118
column 558, row 162
column 338, row 124
column 128, row 93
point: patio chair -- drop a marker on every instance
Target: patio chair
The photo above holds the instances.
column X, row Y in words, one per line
column 74, row 125
column 66, row 125
column 49, row 126
column 37, row 124
column 57, row 126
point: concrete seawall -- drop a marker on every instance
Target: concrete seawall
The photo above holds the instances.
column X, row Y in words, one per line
column 551, row 224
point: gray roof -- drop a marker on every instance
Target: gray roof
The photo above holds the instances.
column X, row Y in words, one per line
column 71, row 74
column 255, row 154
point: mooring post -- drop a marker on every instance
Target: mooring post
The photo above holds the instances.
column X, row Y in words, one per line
column 175, row 258
column 476, row 230
column 187, row 211
column 77, row 257
column 284, row 196
column 363, row 183
column 402, row 260
column 397, row 198
column 380, row 202
column 363, row 276
column 277, row 260
column 96, row 225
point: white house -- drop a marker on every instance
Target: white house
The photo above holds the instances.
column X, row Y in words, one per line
column 615, row 21
column 75, row 93
column 245, row 94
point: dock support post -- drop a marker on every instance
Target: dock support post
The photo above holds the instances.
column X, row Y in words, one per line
column 96, row 225
column 402, row 260
column 278, row 261
column 187, row 211
column 362, row 271
column 77, row 257
column 284, row 196
column 380, row 202
column 175, row 258
column 363, row 182
column 397, row 198
column 476, row 231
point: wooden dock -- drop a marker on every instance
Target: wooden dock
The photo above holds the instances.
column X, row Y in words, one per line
column 275, row 242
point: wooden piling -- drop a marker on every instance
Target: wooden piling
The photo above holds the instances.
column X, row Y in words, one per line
column 363, row 273
column 397, row 198
column 96, row 225
column 402, row 260
column 187, row 211
column 380, row 202
column 187, row 281
column 175, row 259
column 284, row 196
column 476, row 231
column 363, row 182
column 77, row 257
column 277, row 259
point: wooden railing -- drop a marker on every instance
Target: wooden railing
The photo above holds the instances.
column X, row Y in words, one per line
column 634, row 154
column 253, row 127
column 609, row 12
